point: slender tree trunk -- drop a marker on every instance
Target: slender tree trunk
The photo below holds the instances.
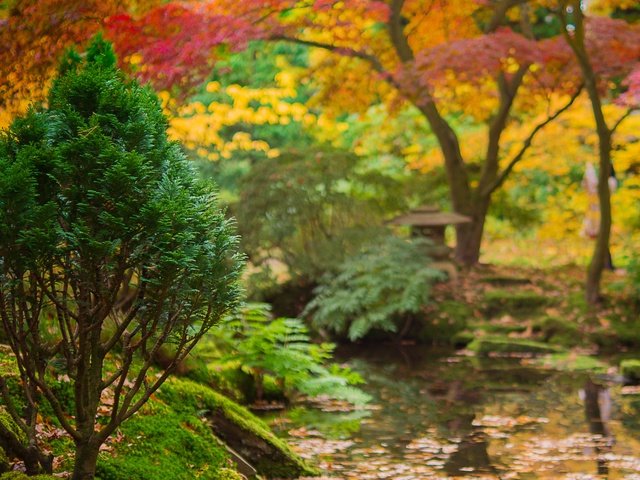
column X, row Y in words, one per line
column 86, row 460
column 599, row 258
column 469, row 236
column 577, row 44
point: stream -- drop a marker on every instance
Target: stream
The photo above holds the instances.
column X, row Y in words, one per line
column 451, row 416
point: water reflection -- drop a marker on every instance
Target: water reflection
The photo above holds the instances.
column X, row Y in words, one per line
column 449, row 416
column 471, row 455
column 597, row 410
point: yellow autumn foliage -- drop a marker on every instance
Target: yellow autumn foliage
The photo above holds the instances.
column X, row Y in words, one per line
column 199, row 126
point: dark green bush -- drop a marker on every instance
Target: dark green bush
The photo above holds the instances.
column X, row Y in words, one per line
column 379, row 289
column 309, row 209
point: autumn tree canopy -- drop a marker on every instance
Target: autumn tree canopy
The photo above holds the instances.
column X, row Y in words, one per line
column 496, row 61
column 499, row 62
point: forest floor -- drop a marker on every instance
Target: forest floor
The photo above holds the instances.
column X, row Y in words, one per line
column 545, row 304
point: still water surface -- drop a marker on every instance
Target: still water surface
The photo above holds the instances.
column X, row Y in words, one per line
column 451, row 416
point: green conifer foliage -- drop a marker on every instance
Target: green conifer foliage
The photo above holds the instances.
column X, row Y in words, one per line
column 109, row 248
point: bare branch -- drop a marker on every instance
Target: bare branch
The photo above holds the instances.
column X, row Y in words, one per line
column 626, row 115
column 371, row 59
column 527, row 143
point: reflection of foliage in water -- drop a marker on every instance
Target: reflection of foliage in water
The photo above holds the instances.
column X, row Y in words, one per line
column 332, row 425
column 492, row 418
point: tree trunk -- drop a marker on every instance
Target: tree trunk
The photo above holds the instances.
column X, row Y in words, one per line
column 86, row 459
column 577, row 43
column 601, row 249
column 469, row 235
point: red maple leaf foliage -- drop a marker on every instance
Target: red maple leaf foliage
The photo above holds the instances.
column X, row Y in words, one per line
column 35, row 33
column 179, row 43
column 475, row 59
column 631, row 97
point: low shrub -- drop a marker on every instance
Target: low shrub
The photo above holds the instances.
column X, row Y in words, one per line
column 382, row 288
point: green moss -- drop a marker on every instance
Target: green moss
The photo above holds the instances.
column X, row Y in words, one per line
column 227, row 474
column 627, row 331
column 500, row 329
column 162, row 443
column 450, row 318
column 558, row 331
column 573, row 363
column 7, row 361
column 630, row 369
column 188, row 397
column 462, row 339
column 21, row 476
column 512, row 302
column 505, row 345
column 4, row 461
column 10, row 425
column 503, row 281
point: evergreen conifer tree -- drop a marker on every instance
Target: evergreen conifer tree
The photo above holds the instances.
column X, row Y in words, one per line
column 110, row 249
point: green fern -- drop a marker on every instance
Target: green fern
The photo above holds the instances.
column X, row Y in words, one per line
column 376, row 289
column 282, row 349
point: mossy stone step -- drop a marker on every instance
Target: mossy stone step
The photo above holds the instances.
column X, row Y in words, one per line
column 503, row 280
column 570, row 362
column 630, row 370
column 485, row 346
column 513, row 302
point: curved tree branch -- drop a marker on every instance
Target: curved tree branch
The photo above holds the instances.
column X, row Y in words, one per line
column 528, row 141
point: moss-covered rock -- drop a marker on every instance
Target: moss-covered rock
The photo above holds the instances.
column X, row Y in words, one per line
column 160, row 442
column 508, row 346
column 237, row 427
column 630, row 370
column 8, row 423
column 4, row 461
column 442, row 326
column 505, row 281
column 627, row 331
column 6, row 452
column 558, row 331
column 573, row 363
column 513, row 302
column 498, row 329
column 462, row 339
